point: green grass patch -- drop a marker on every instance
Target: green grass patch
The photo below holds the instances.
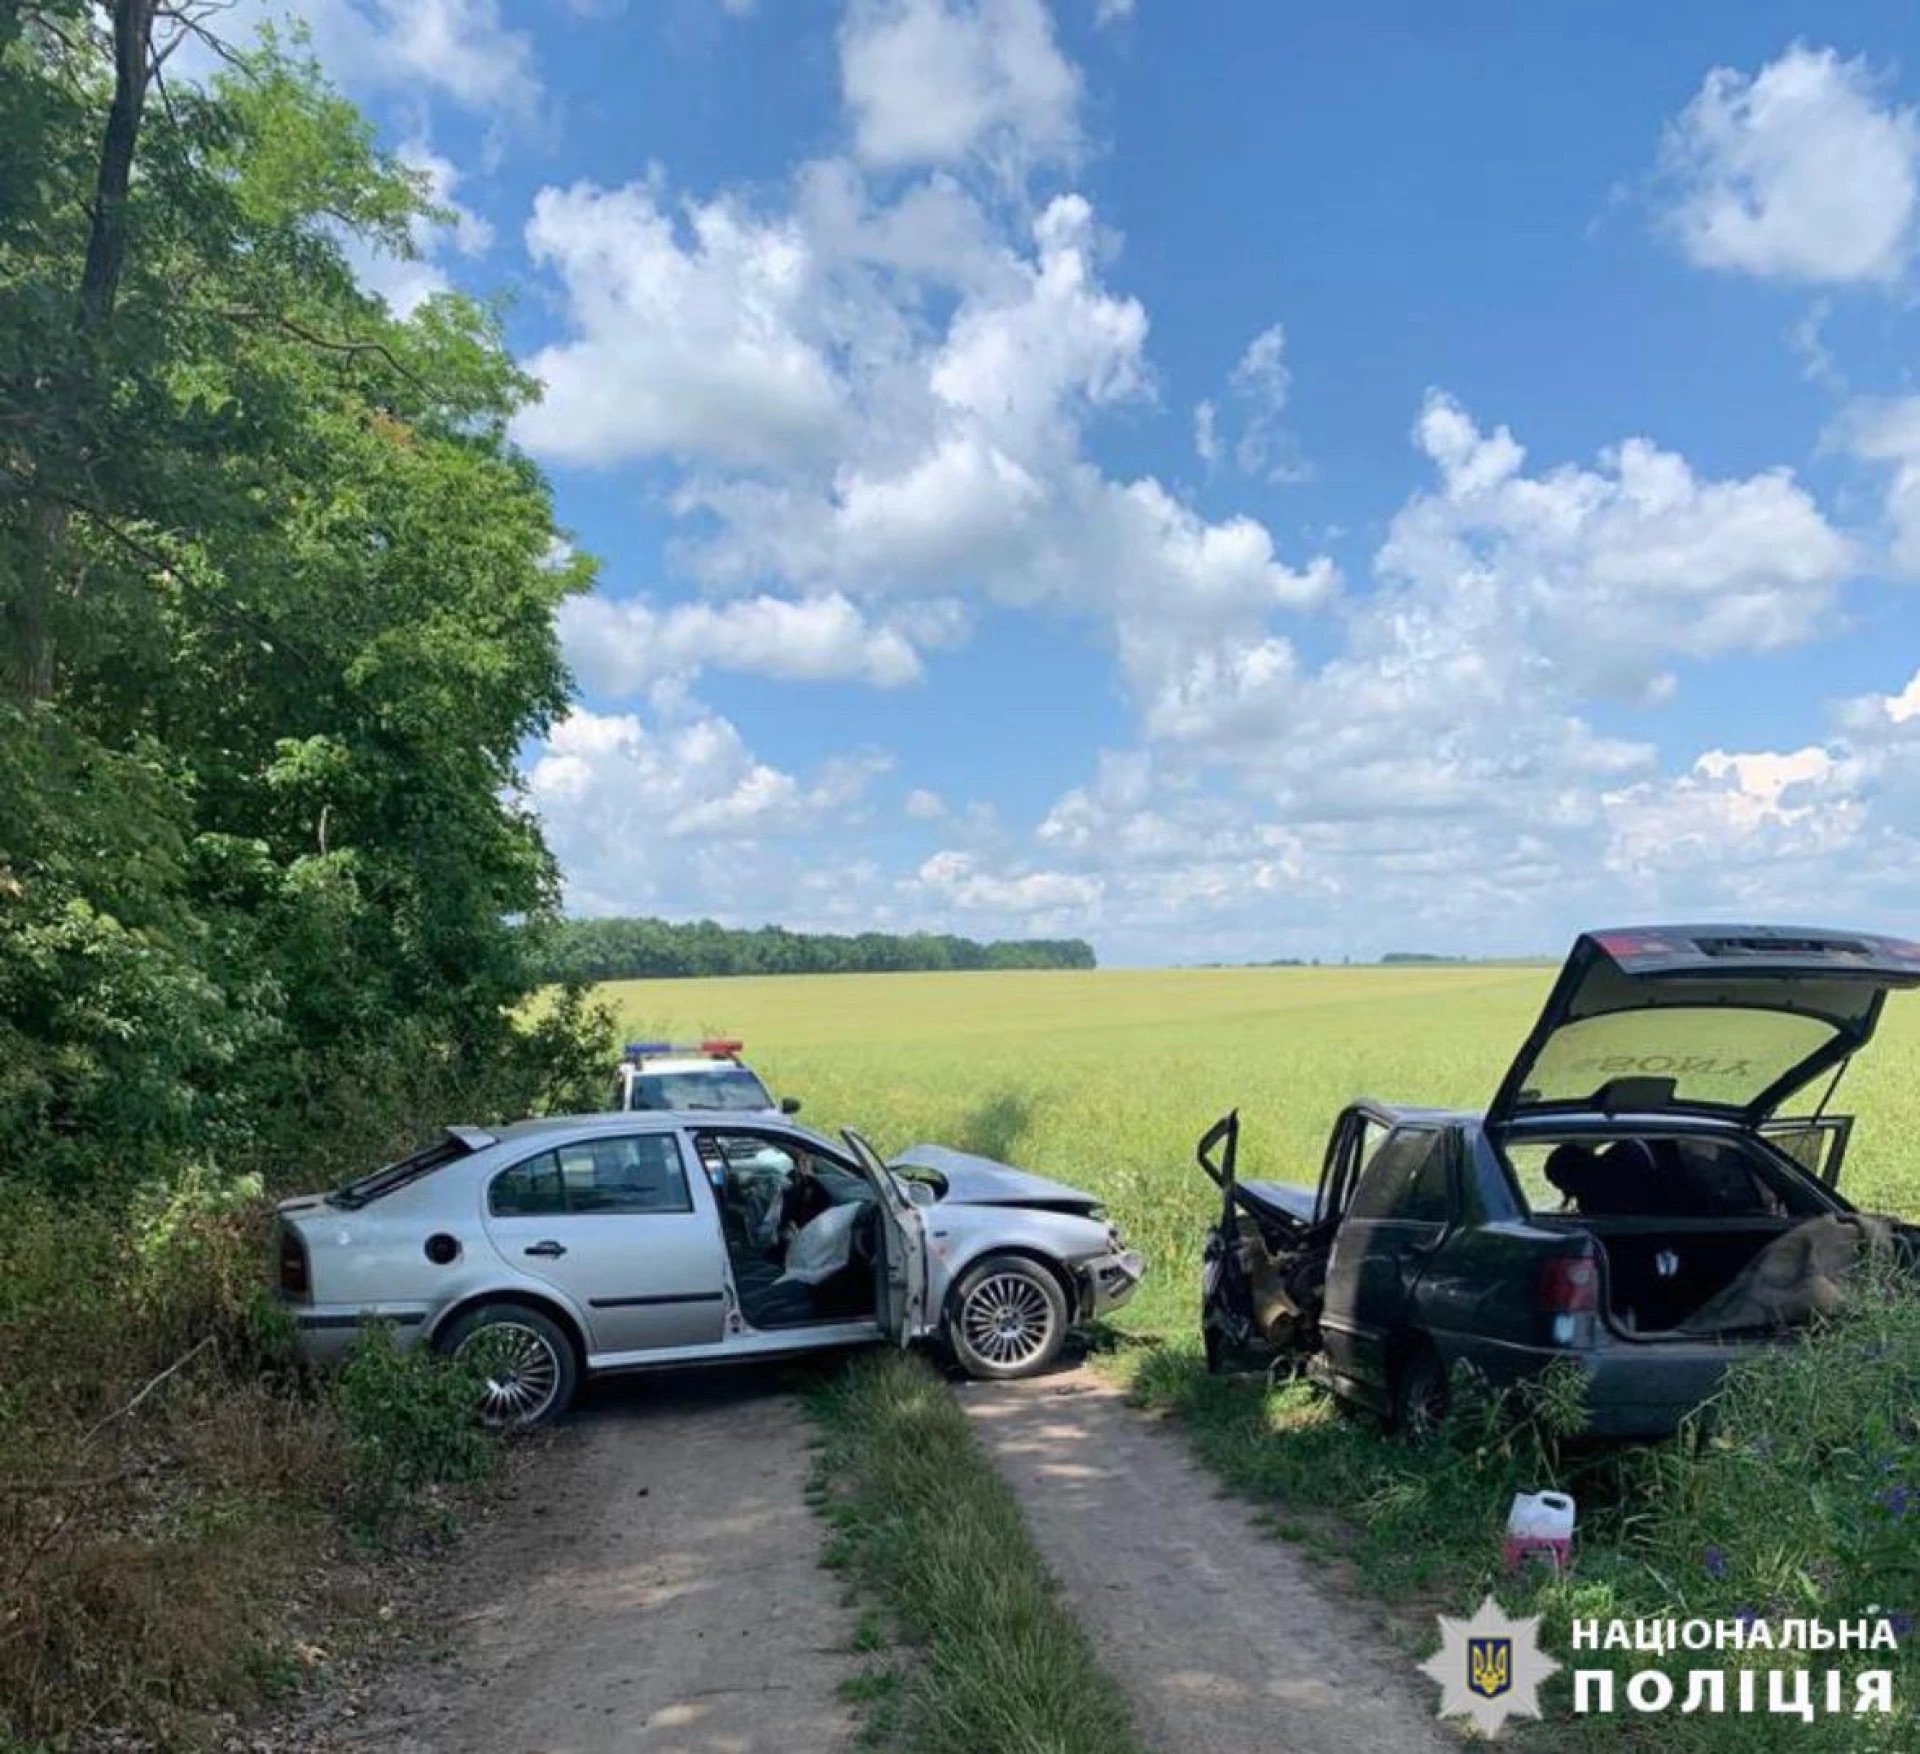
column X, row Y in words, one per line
column 923, row 1522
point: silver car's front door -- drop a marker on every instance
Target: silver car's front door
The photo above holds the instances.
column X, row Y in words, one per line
column 618, row 1226
column 903, row 1307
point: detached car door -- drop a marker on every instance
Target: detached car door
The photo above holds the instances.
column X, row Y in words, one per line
column 1396, row 1218
column 616, row 1225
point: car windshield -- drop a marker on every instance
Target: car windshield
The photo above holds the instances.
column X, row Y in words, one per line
column 1725, row 1055
column 729, row 1088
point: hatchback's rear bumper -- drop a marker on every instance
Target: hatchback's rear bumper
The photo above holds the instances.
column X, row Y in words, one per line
column 1641, row 1389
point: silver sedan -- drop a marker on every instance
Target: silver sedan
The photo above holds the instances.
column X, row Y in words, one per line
column 583, row 1245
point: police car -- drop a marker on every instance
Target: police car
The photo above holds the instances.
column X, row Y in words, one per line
column 656, row 1075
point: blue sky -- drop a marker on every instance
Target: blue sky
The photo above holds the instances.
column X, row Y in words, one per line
column 1228, row 482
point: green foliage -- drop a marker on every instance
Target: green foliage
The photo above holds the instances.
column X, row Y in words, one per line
column 636, row 949
column 279, row 597
column 276, row 616
column 412, row 1423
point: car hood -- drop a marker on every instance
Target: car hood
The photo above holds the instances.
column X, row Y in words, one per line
column 965, row 1180
column 1721, row 1020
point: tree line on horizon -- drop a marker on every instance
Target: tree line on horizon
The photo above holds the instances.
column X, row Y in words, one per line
column 651, row 949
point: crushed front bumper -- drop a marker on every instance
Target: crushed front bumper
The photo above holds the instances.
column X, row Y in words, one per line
column 1108, row 1281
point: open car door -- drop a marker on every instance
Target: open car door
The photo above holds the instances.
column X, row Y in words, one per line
column 1261, row 1265
column 1817, row 1143
column 903, row 1268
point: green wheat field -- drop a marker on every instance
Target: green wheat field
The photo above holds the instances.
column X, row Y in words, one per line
column 1107, row 1078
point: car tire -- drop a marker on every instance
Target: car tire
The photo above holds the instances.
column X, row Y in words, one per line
column 1008, row 1319
column 527, row 1359
column 1420, row 1394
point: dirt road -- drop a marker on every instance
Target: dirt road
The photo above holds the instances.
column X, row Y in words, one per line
column 1221, row 1634
column 655, row 1587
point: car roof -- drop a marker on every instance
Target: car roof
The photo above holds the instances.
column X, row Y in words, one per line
column 650, row 1120
column 1395, row 1113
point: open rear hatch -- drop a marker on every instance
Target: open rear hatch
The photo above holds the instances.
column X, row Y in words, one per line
column 1727, row 1021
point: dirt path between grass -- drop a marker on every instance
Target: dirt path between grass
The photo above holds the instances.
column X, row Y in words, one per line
column 655, row 1585
column 1220, row 1633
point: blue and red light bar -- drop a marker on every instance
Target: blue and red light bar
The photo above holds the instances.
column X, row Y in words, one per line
column 715, row 1049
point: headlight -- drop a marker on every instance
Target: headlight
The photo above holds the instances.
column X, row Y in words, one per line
column 1115, row 1239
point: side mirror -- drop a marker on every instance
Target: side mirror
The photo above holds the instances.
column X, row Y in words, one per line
column 789, row 1105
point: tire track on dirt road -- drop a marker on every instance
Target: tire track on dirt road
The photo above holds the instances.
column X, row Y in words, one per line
column 656, row 1586
column 1219, row 1633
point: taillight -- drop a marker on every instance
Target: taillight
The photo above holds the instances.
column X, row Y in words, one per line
column 1570, row 1285
column 293, row 1264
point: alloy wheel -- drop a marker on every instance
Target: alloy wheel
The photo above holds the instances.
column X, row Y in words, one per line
column 520, row 1374
column 1007, row 1319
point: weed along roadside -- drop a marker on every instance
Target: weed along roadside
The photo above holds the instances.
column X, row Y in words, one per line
column 190, row 1527
column 933, row 1542
column 1792, row 1506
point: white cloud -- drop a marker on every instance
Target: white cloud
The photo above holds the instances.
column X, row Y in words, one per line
column 620, row 649
column 1438, row 767
column 1503, row 601
column 1611, row 571
column 1257, row 390
column 1889, row 433
column 688, row 344
column 459, row 46
column 1106, row 12
column 959, row 879
column 1802, row 172
column 460, row 49
column 1206, row 432
column 1757, row 832
column 681, row 817
column 924, row 806
column 963, row 465
column 931, row 82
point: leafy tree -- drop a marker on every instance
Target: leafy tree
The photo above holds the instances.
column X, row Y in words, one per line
column 276, row 612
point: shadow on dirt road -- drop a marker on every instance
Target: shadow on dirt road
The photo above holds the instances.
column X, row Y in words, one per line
column 653, row 1584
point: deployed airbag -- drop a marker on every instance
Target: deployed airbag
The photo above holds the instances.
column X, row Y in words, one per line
column 822, row 1247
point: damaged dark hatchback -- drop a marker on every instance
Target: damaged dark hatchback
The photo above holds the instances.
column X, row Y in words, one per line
column 1633, row 1200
